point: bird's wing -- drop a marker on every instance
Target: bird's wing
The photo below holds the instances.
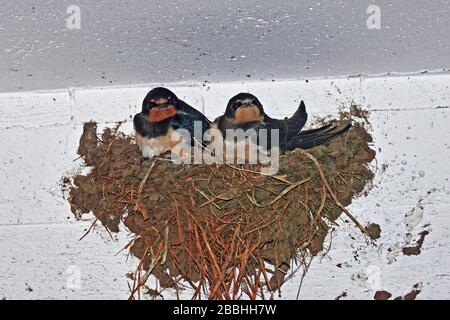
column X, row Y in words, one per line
column 316, row 137
column 142, row 125
column 288, row 127
column 297, row 121
column 274, row 124
column 185, row 109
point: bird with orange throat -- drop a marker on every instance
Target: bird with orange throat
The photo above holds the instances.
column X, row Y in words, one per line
column 163, row 113
column 244, row 111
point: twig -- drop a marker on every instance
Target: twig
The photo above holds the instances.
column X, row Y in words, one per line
column 89, row 230
column 303, row 277
column 129, row 244
column 281, row 178
column 141, row 188
column 329, row 246
column 285, row 191
column 333, row 195
column 166, row 243
column 153, row 263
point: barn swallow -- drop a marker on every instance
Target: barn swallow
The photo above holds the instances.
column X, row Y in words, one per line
column 162, row 114
column 244, row 111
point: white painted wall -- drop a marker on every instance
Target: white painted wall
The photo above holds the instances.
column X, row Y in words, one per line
column 39, row 132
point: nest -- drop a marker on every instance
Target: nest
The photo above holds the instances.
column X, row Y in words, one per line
column 225, row 230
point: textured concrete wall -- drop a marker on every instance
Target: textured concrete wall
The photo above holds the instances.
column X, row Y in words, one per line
column 123, row 42
column 39, row 249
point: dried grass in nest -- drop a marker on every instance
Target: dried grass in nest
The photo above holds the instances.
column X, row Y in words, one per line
column 226, row 230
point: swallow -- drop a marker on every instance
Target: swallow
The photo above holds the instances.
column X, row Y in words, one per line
column 244, row 111
column 162, row 114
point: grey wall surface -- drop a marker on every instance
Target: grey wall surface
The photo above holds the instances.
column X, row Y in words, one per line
column 141, row 41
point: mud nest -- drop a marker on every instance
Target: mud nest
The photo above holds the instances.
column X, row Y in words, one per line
column 225, row 230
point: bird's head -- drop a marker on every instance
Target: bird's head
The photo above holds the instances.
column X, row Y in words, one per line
column 244, row 108
column 159, row 104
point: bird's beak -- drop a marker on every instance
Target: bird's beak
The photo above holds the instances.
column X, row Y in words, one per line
column 162, row 112
column 247, row 112
column 164, row 106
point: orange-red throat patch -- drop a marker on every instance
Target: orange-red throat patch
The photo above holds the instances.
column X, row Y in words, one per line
column 161, row 114
column 247, row 114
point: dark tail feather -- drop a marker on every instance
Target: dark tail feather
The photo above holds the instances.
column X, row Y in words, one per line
column 297, row 121
column 312, row 138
